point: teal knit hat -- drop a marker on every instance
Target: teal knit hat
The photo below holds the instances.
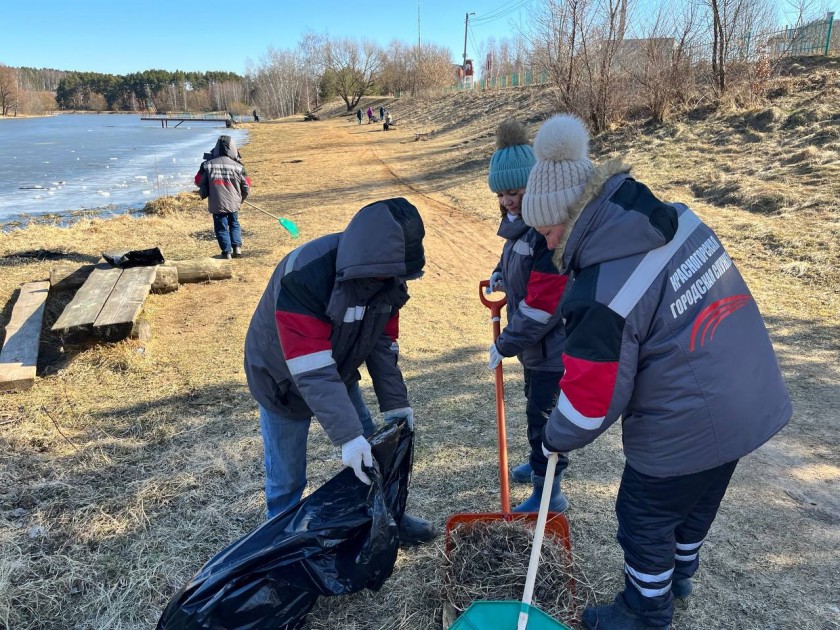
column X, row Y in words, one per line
column 513, row 159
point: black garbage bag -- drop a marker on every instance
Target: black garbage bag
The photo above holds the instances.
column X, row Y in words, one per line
column 340, row 539
column 136, row 258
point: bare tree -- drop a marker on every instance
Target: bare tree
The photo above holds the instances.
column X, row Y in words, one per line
column 731, row 24
column 657, row 61
column 352, row 67
column 434, row 68
column 8, row 90
column 554, row 39
column 278, row 83
column 311, row 48
column 397, row 75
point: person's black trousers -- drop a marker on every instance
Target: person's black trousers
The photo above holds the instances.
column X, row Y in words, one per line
column 662, row 523
column 541, row 391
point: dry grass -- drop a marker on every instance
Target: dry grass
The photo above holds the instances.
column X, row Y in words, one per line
column 126, row 467
column 489, row 561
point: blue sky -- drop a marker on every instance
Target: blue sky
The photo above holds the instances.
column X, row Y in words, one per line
column 119, row 37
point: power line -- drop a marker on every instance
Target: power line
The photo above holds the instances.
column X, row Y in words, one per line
column 501, row 12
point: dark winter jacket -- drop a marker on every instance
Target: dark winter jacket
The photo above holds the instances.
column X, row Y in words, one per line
column 534, row 288
column 323, row 314
column 223, row 179
column 661, row 330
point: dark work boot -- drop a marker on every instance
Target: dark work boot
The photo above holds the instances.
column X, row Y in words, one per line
column 558, row 503
column 681, row 588
column 237, row 251
column 415, row 531
column 615, row 616
column 226, row 255
column 522, row 473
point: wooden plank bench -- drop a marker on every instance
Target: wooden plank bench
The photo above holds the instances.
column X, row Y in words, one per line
column 108, row 303
column 19, row 357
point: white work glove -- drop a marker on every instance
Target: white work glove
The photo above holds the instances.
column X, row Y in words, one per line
column 496, row 283
column 495, row 357
column 354, row 453
column 402, row 412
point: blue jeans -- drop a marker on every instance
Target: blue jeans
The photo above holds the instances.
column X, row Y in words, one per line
column 228, row 232
column 284, row 441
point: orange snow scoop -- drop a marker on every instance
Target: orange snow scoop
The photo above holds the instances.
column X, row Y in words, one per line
column 556, row 525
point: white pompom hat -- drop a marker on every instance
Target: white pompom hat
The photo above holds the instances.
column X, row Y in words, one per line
column 557, row 181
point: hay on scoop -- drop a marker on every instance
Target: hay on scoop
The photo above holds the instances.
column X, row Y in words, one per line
column 489, row 561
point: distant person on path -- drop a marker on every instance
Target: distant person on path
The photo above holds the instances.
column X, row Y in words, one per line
column 662, row 332
column 222, row 179
column 387, row 124
column 256, row 117
column 370, row 115
column 359, row 115
column 381, row 112
column 331, row 305
column 534, row 330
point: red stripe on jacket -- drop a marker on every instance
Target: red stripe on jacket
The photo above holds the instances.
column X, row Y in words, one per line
column 198, row 178
column 545, row 290
column 301, row 334
column 392, row 328
column 589, row 385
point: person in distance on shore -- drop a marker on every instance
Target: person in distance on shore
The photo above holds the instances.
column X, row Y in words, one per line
column 662, row 332
column 222, row 179
column 534, row 331
column 331, row 305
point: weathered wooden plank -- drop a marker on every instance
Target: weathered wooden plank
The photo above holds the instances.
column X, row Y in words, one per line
column 123, row 306
column 19, row 357
column 86, row 305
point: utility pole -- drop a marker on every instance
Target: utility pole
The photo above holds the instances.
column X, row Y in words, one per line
column 466, row 26
column 418, row 24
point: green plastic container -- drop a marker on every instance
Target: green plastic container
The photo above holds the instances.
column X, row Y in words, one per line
column 503, row 616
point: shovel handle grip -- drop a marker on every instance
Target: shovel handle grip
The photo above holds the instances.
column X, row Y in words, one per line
column 495, row 306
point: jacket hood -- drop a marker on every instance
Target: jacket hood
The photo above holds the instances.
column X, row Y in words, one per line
column 225, row 147
column 615, row 218
column 385, row 238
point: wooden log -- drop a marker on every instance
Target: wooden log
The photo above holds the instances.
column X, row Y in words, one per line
column 203, row 269
column 67, row 277
column 89, row 300
column 122, row 308
column 19, row 357
column 166, row 279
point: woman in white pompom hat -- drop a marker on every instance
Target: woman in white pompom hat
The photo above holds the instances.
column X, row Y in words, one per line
column 661, row 331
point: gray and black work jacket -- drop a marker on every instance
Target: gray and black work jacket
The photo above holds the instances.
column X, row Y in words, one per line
column 331, row 305
column 534, row 288
column 223, row 179
column 662, row 331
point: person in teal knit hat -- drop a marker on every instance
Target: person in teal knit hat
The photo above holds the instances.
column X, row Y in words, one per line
column 534, row 330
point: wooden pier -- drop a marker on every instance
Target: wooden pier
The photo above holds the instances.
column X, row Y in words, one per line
column 165, row 119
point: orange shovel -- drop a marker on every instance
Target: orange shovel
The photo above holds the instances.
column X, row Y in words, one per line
column 556, row 525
